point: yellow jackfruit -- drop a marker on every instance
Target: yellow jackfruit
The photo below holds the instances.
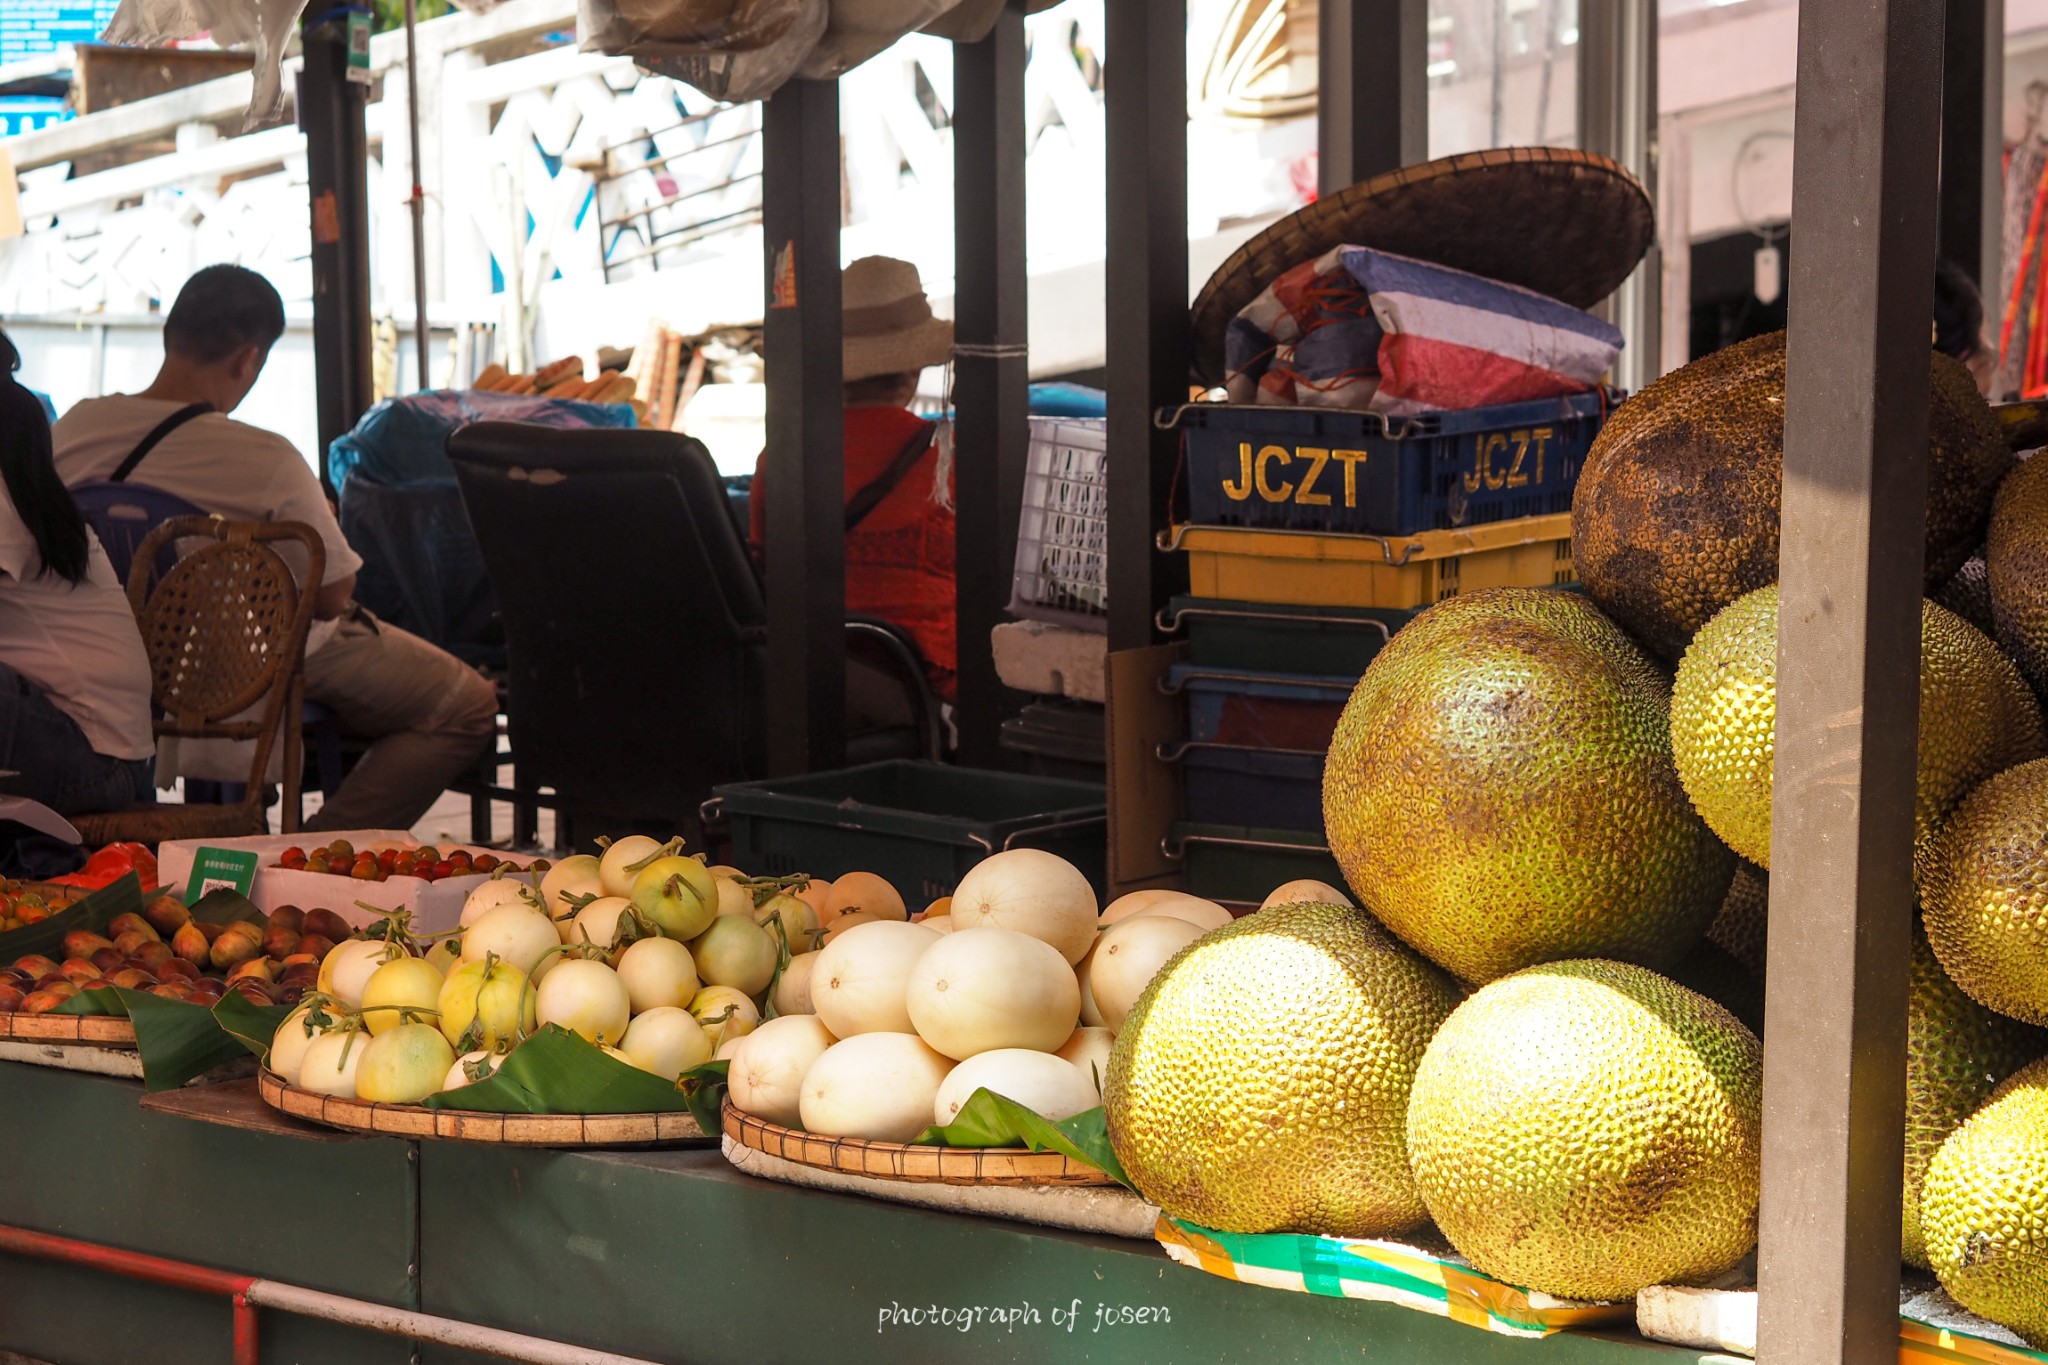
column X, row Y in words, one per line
column 2016, row 565
column 1985, row 1208
column 1986, row 893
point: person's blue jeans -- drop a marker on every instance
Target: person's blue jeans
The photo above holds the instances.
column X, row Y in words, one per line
column 44, row 756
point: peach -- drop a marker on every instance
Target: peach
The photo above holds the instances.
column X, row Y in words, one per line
column 11, row 997
column 35, row 964
column 171, row 990
column 254, row 991
column 78, row 971
column 167, row 914
column 42, row 1002
column 176, row 967
column 132, row 978
column 317, row 946
column 82, row 943
column 106, row 959
column 288, row 917
column 209, row 989
column 280, row 942
column 240, row 943
column 192, row 944
column 133, row 940
column 326, row 924
column 130, row 923
column 260, row 968
column 155, row 955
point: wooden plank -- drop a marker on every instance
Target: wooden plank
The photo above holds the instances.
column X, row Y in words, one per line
column 235, row 1104
column 107, row 77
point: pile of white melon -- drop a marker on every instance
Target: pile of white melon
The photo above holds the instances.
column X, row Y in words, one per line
column 1013, row 984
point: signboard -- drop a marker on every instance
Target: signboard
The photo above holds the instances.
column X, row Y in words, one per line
column 29, row 28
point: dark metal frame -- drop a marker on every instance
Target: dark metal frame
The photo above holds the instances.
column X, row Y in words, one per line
column 1973, row 140
column 337, row 165
column 1372, row 89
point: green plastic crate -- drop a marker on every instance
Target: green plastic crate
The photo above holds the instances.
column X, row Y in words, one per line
column 921, row 825
column 1271, row 638
column 1237, row 866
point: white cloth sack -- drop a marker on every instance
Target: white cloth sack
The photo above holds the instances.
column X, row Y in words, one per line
column 652, row 28
column 862, row 28
column 737, row 77
column 262, row 25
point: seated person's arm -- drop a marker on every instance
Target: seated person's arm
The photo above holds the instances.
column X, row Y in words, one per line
column 333, row 598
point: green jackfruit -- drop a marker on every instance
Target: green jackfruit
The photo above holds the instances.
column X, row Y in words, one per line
column 2016, row 564
column 1985, row 1208
column 1500, row 791
column 1588, row 1129
column 1986, row 893
column 1742, row 928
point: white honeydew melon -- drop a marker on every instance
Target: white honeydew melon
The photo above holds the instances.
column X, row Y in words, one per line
column 678, row 895
column 1305, row 890
column 858, row 983
column 329, row 1066
column 500, row 891
column 585, row 997
column 401, row 987
column 1088, row 1050
column 617, row 866
column 495, row 996
column 1129, row 956
column 839, row 924
column 1084, row 977
column 799, row 922
column 866, row 891
column 347, row 968
column 616, row 1054
column 733, row 898
column 817, row 893
column 658, row 972
column 977, row 990
column 879, row 1086
column 288, row 1045
column 942, row 908
column 1047, row 1085
column 724, row 1013
column 563, row 908
column 600, row 921
column 793, row 987
column 1204, row 915
column 767, row 1073
column 458, row 1075
column 666, row 1042
column 445, row 955
column 577, row 867
column 736, row 952
column 725, row 871
column 515, row 934
column 1033, row 892
column 938, row 924
column 729, row 1050
column 1131, row 902
column 404, row 1065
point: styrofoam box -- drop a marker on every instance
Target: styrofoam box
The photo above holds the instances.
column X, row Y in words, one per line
column 436, row 906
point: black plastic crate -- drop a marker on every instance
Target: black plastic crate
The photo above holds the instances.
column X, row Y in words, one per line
column 1059, row 738
column 1235, row 865
column 1271, row 637
column 1343, row 470
column 1272, row 789
column 920, row 825
column 1252, row 709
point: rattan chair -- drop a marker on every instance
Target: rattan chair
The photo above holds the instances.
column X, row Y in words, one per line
column 225, row 630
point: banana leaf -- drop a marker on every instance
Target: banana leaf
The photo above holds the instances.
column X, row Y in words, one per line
column 704, row 1089
column 92, row 914
column 177, row 1039
column 989, row 1120
column 558, row 1072
column 248, row 1023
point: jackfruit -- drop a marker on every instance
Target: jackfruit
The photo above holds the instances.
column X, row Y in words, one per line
column 1968, row 593
column 1742, row 927
column 1676, row 510
column 1985, row 1208
column 1957, row 1052
column 1588, row 1129
column 1986, row 893
column 1976, row 718
column 2016, row 563
column 1500, row 791
column 1261, row 1081
column 1712, row 971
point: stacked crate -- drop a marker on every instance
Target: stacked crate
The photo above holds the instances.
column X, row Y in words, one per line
column 1313, row 535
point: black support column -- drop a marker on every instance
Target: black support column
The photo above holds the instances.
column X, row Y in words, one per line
column 1372, row 102
column 337, row 175
column 1973, row 142
column 1147, row 297
column 991, row 374
column 806, row 459
column 1854, row 514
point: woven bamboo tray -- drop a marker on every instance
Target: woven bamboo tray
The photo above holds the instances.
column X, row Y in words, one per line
column 457, row 1125
column 75, row 1030
column 906, row 1161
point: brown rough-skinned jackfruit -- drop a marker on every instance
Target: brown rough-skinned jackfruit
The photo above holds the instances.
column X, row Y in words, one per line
column 1500, row 791
column 2016, row 562
column 1742, row 928
column 1676, row 511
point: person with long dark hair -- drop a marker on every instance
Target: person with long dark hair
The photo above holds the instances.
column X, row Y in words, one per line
column 74, row 681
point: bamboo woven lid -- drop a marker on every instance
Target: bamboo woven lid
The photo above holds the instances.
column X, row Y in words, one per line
column 1565, row 223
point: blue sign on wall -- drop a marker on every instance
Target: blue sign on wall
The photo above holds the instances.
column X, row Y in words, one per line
column 27, row 113
column 29, row 28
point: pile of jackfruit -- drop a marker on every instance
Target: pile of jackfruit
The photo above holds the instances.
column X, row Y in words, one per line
column 1540, row 1032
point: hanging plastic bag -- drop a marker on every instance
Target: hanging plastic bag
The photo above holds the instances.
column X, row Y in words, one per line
column 657, row 28
column 737, row 77
column 264, row 26
column 862, row 28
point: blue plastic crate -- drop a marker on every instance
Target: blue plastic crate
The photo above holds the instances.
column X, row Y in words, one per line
column 1339, row 470
column 1260, row 710
column 1265, row 788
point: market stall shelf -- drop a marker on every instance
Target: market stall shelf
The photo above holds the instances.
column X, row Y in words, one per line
column 908, row 1161
column 83, row 1030
column 519, row 1130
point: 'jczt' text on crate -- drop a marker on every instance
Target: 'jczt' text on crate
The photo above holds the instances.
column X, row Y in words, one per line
column 1302, row 474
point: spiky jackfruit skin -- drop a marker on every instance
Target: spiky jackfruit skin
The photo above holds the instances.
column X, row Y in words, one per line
column 1589, row 1128
column 1977, row 717
column 1742, row 927
column 1676, row 510
column 1986, row 893
column 1500, row 791
column 2016, row 565
column 1957, row 1052
column 1985, row 1208
column 1968, row 593
column 1260, row 1084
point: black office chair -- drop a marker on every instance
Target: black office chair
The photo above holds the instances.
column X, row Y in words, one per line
column 634, row 623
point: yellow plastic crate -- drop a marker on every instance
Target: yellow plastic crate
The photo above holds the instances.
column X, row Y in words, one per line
column 1306, row 569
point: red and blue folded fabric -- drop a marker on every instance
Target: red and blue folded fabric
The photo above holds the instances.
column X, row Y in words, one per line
column 1358, row 328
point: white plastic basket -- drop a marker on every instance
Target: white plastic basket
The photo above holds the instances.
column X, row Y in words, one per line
column 1062, row 572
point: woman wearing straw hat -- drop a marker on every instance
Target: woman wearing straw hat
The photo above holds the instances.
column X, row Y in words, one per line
column 899, row 494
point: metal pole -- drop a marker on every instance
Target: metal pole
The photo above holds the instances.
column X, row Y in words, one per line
column 806, row 460
column 1617, row 99
column 337, row 176
column 1147, row 325
column 1372, row 89
column 418, row 201
column 991, row 384
column 1973, row 141
column 1850, row 564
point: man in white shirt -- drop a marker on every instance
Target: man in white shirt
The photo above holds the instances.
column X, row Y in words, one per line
column 427, row 715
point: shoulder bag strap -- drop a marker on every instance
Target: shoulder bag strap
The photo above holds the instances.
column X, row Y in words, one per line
column 870, row 496
column 157, row 434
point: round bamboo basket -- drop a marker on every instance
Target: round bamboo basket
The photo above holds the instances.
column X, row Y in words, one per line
column 907, row 1161
column 459, row 1125
column 77, row 1030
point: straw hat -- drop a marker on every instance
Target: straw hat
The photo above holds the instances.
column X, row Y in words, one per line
column 888, row 327
column 1564, row 223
